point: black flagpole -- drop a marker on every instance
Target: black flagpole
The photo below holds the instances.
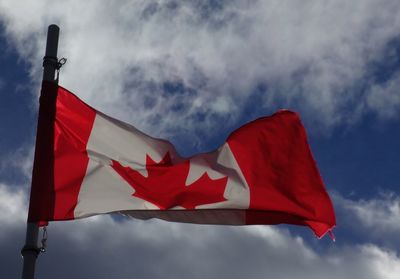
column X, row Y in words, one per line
column 50, row 65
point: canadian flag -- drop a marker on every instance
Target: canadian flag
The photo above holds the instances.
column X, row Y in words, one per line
column 87, row 163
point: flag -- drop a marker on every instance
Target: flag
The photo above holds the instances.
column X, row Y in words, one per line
column 87, row 163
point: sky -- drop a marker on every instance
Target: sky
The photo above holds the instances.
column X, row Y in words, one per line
column 192, row 72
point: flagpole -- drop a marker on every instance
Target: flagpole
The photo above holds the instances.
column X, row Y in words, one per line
column 30, row 251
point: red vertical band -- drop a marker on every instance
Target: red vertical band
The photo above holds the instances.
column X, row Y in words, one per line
column 41, row 205
column 61, row 159
column 285, row 184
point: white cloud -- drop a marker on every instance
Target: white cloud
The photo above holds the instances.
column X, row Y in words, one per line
column 311, row 56
column 12, row 207
column 378, row 218
column 18, row 165
column 101, row 247
column 385, row 98
column 153, row 249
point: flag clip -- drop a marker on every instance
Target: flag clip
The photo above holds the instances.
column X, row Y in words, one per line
column 44, row 240
column 59, row 64
column 56, row 64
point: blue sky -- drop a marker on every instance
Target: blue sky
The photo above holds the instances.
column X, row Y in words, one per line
column 192, row 72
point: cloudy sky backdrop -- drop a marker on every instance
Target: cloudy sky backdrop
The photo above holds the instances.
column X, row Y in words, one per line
column 191, row 72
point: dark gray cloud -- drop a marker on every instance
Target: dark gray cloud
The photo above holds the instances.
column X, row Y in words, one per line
column 103, row 247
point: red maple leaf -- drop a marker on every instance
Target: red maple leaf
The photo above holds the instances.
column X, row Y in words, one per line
column 165, row 184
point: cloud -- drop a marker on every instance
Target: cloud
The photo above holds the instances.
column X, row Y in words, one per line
column 12, row 206
column 184, row 68
column 376, row 219
column 385, row 98
column 101, row 247
column 16, row 166
column 135, row 247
